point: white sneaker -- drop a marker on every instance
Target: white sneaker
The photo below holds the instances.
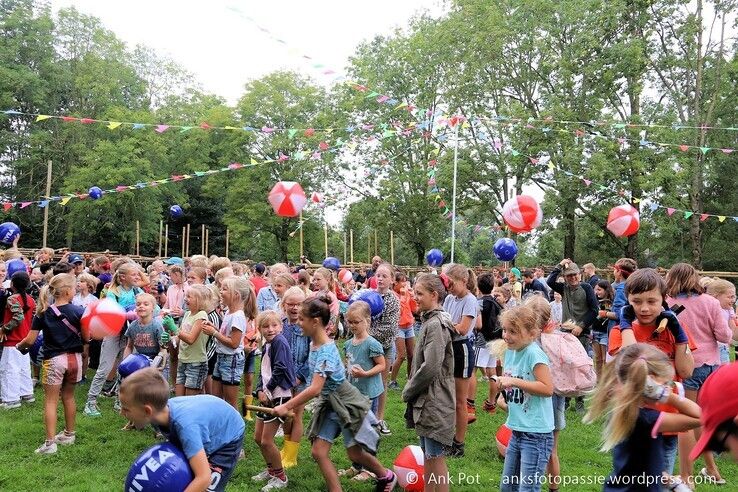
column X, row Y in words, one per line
column 28, row 399
column 10, row 405
column 274, row 484
column 47, row 448
column 65, row 439
column 261, row 477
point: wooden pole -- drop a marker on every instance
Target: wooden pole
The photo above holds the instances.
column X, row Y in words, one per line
column 138, row 238
column 207, row 240
column 166, row 240
column 376, row 243
column 161, row 230
column 368, row 247
column 325, row 235
column 46, row 208
column 228, row 238
column 345, row 247
column 302, row 239
column 184, row 241
column 351, row 236
column 392, row 247
column 187, row 248
column 202, row 240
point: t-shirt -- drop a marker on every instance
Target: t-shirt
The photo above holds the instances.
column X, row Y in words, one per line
column 640, row 457
column 125, row 297
column 78, row 300
column 145, row 337
column 363, row 355
column 258, row 283
column 527, row 413
column 266, row 299
column 644, row 334
column 231, row 321
column 196, row 351
column 58, row 338
column 326, row 361
column 202, row 422
column 457, row 308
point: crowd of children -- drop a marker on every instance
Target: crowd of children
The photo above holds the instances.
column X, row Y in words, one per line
column 652, row 342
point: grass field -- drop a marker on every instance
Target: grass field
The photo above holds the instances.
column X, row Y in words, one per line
column 101, row 457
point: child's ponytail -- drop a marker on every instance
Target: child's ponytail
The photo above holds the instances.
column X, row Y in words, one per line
column 43, row 300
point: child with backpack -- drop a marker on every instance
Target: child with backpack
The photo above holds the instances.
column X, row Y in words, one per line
column 486, row 330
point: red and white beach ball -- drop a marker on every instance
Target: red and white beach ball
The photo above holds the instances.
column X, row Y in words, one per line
column 103, row 319
column 287, row 198
column 502, row 439
column 345, row 276
column 623, row 220
column 522, row 213
column 409, row 468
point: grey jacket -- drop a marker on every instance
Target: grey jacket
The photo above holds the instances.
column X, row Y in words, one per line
column 431, row 386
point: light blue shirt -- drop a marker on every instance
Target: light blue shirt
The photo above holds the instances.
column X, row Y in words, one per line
column 363, row 355
column 526, row 412
column 266, row 299
column 326, row 361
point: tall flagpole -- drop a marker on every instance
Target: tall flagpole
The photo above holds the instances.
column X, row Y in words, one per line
column 453, row 200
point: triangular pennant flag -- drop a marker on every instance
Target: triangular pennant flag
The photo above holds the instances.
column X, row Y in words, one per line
column 7, row 206
column 65, row 200
column 684, row 148
column 291, row 133
column 231, row 128
column 688, row 214
column 705, row 150
column 267, row 129
column 316, row 156
column 42, row 117
column 727, row 151
column 161, row 128
column 199, row 173
column 636, row 200
column 515, row 153
column 587, row 182
column 205, row 126
column 551, row 165
column 533, row 160
column 323, row 146
column 310, row 132
column 721, row 218
column 43, row 203
column 86, row 121
column 670, row 211
column 69, row 118
column 185, row 129
column 138, row 126
column 113, row 125
column 253, row 162
column 653, row 207
column 704, row 217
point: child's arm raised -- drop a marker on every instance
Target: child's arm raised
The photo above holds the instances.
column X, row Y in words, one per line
column 688, row 417
column 201, row 470
column 542, row 386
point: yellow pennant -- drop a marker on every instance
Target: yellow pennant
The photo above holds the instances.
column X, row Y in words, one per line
column 65, row 200
column 253, row 161
column 113, row 125
column 721, row 218
column 42, row 117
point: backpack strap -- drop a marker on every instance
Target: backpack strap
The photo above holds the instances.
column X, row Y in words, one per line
column 64, row 320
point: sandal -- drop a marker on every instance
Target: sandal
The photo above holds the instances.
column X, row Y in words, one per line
column 710, row 479
column 364, row 476
column 348, row 472
column 489, row 407
column 128, row 426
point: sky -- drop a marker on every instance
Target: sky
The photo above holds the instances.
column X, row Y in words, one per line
column 216, row 42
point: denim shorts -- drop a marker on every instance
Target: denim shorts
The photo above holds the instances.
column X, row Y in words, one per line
column 390, row 354
column 229, row 368
column 408, row 332
column 192, row 374
column 699, row 376
column 331, row 428
column 249, row 365
column 416, row 328
column 375, row 405
column 559, row 405
column 222, row 462
column 432, row 448
column 599, row 337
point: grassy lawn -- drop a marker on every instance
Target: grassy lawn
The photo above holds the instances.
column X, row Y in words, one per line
column 103, row 453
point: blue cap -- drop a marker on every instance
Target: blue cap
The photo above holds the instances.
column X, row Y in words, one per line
column 75, row 258
column 174, row 260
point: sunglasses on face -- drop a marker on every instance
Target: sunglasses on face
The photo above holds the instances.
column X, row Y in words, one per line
column 721, row 435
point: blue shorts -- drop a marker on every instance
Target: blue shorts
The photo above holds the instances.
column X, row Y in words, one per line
column 250, row 362
column 375, row 405
column 559, row 406
column 229, row 368
column 331, row 428
column 699, row 376
column 408, row 332
column 416, row 327
column 390, row 354
column 192, row 374
column 599, row 337
column 222, row 463
column 432, row 448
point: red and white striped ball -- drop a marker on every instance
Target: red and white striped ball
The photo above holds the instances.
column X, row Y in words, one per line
column 623, row 220
column 502, row 439
column 522, row 213
column 287, row 198
column 409, row 468
column 103, row 319
column 345, row 276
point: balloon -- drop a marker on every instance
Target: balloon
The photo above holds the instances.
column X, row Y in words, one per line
column 287, row 198
column 522, row 213
column 505, row 249
column 175, row 211
column 345, row 276
column 8, row 232
column 14, row 266
column 103, row 319
column 35, row 350
column 162, row 467
column 332, row 263
column 409, row 467
column 502, row 439
column 434, row 257
column 133, row 363
column 623, row 220
column 95, row 193
column 371, row 297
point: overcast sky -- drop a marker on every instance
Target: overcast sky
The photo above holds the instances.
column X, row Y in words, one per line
column 224, row 50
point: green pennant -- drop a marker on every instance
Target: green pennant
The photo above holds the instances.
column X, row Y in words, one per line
column 515, row 153
column 388, row 133
column 299, row 155
column 603, row 188
column 619, row 126
column 292, row 132
column 688, row 214
column 185, row 129
column 199, row 173
column 705, row 150
column 371, row 95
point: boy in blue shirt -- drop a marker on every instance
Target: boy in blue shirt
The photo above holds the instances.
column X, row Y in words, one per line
column 207, row 429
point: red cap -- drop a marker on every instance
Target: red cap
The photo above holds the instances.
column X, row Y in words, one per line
column 719, row 402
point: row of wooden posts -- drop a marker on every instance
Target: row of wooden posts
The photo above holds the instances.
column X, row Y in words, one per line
column 348, row 252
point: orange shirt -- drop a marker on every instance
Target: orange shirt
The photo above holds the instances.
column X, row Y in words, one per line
column 408, row 305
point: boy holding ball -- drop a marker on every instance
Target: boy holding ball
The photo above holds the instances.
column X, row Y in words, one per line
column 207, row 429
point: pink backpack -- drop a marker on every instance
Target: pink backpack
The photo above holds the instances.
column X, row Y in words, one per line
column 572, row 369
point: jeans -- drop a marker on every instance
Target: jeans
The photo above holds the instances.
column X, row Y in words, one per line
column 111, row 348
column 525, row 461
column 670, row 453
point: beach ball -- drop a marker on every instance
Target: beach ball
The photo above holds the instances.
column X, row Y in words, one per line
column 502, row 439
column 371, row 297
column 162, row 467
column 345, row 276
column 175, row 211
column 15, row 266
column 522, row 213
column 623, row 220
column 35, row 350
column 132, row 363
column 409, row 468
column 434, row 257
column 505, row 249
column 8, row 232
column 287, row 198
column 95, row 193
column 103, row 319
column 332, row 263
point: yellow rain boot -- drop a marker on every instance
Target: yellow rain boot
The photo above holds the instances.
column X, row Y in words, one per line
column 289, row 453
column 248, row 400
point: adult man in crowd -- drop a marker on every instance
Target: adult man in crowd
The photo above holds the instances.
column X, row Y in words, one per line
column 370, row 273
column 531, row 285
column 590, row 274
